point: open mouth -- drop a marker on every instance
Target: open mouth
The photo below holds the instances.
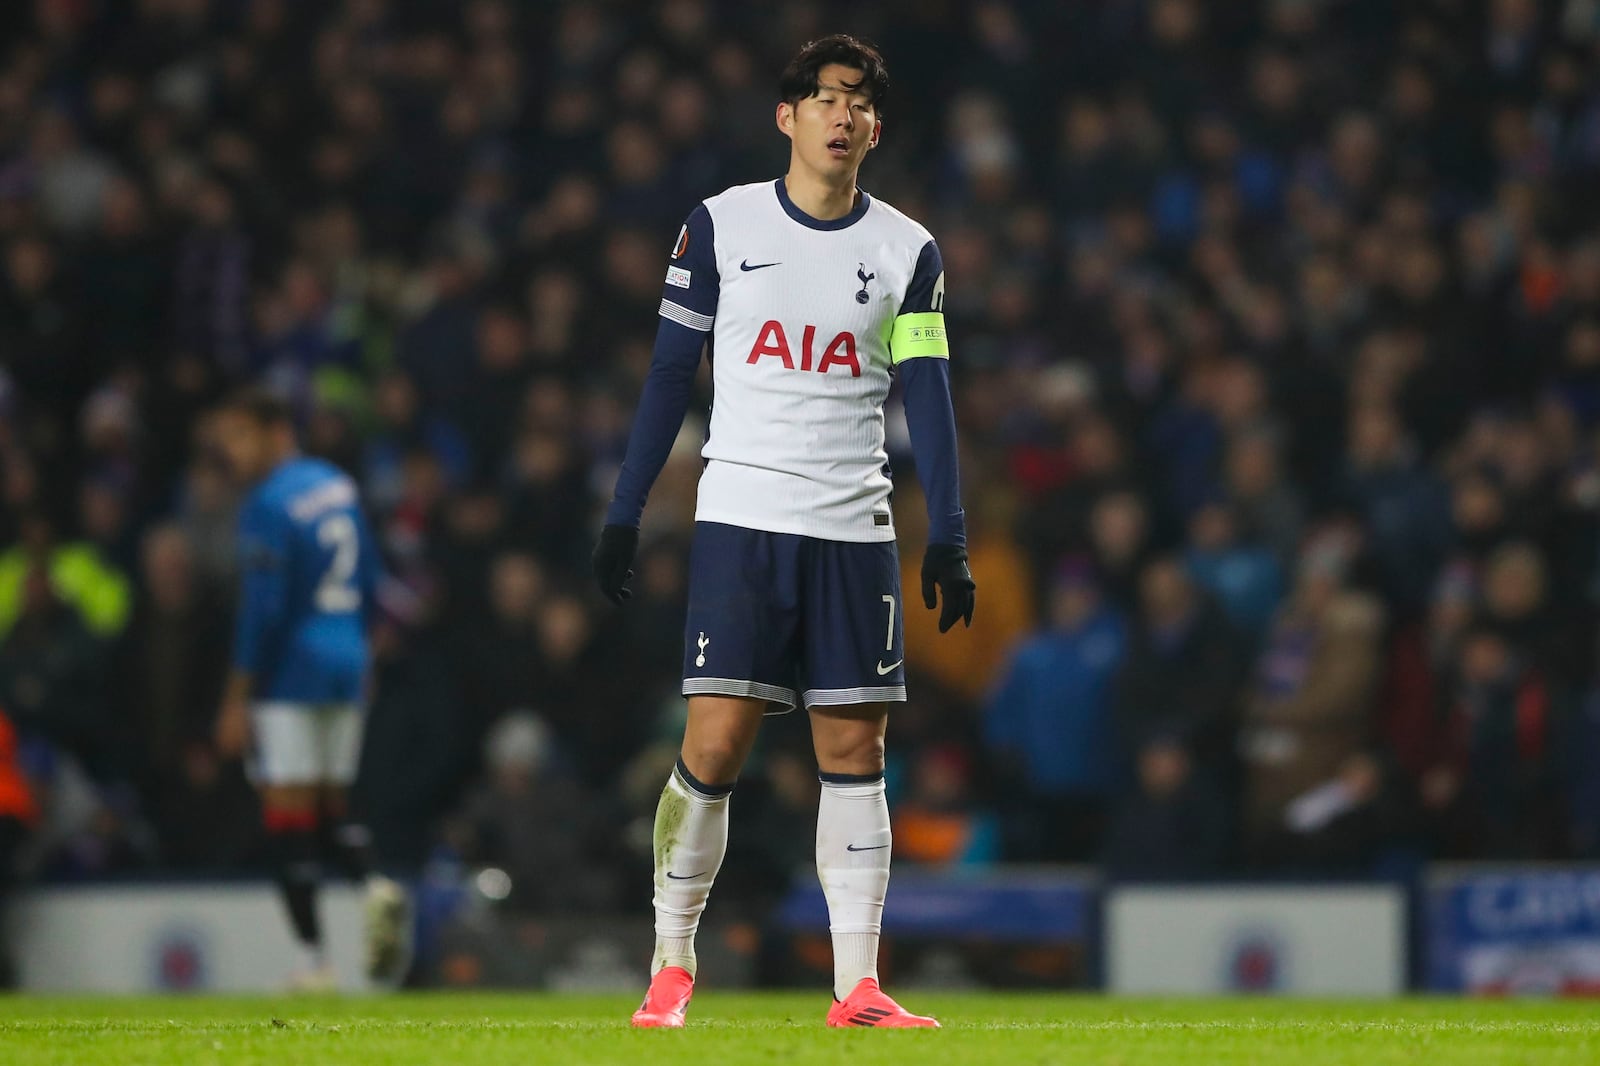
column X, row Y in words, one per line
column 839, row 146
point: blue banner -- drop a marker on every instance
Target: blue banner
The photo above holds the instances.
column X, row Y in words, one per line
column 1515, row 932
column 1035, row 906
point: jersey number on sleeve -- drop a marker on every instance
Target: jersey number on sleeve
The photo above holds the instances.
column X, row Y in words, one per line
column 336, row 594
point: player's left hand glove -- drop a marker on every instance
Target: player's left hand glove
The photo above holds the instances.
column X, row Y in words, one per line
column 613, row 561
column 945, row 565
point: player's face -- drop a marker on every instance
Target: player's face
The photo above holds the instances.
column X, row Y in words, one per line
column 245, row 445
column 833, row 130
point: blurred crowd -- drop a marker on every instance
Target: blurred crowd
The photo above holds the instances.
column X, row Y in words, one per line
column 1276, row 335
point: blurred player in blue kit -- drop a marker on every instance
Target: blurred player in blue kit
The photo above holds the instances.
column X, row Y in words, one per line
column 814, row 298
column 295, row 701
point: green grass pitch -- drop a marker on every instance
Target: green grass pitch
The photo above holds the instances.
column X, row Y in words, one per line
column 733, row 1029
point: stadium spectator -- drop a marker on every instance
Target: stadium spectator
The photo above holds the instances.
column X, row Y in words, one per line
column 1267, row 508
column 1048, row 724
column 1245, row 578
column 1404, row 506
column 52, row 676
column 1180, row 678
column 1093, row 462
column 1420, row 660
column 165, row 681
column 1308, row 714
column 964, row 667
column 1121, row 540
column 123, row 280
column 652, row 628
column 206, row 510
column 546, row 488
column 507, row 822
column 76, row 572
column 404, row 425
column 936, row 823
column 497, row 653
column 1498, row 793
column 1173, row 825
column 1516, row 602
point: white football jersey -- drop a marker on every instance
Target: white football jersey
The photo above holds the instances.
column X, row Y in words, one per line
column 807, row 318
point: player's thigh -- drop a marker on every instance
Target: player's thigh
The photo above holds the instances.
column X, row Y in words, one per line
column 341, row 727
column 718, row 736
column 848, row 738
column 286, row 748
column 853, row 636
column 741, row 635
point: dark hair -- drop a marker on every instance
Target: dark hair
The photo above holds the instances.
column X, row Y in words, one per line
column 264, row 406
column 799, row 80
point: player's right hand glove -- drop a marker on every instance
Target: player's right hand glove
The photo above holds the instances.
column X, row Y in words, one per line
column 945, row 565
column 613, row 561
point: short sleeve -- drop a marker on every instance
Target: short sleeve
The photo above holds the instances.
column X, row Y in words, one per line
column 689, row 293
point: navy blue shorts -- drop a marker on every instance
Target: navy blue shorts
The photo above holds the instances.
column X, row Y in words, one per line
column 773, row 615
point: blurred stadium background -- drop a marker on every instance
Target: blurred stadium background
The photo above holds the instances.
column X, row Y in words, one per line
column 1277, row 359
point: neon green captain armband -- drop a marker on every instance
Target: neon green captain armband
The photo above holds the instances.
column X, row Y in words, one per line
column 919, row 336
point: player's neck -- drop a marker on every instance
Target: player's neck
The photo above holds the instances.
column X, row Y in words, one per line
column 276, row 458
column 822, row 200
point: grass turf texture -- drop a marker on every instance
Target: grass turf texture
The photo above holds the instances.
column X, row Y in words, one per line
column 487, row 1030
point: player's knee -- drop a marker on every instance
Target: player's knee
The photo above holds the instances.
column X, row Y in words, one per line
column 850, row 752
column 296, row 802
column 716, row 760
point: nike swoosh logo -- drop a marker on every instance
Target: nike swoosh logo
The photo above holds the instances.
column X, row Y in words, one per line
column 686, row 877
column 875, row 847
column 882, row 669
column 747, row 265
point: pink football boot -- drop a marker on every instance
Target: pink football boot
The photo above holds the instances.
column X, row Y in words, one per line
column 667, row 1000
column 869, row 1006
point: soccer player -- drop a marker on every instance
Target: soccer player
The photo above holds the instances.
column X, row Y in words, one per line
column 814, row 296
column 300, row 661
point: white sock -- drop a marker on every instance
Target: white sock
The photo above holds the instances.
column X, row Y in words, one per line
column 853, row 846
column 690, row 839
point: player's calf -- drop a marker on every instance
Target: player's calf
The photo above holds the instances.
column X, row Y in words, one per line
column 346, row 847
column 292, row 838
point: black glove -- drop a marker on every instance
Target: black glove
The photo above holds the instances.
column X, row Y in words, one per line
column 945, row 565
column 613, row 561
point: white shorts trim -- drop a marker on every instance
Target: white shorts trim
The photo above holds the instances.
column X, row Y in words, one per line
column 727, row 686
column 842, row 697
column 305, row 743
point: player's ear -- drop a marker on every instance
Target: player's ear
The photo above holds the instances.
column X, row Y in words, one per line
column 785, row 118
column 877, row 131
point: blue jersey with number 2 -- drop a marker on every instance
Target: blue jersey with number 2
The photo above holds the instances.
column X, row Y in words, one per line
column 310, row 573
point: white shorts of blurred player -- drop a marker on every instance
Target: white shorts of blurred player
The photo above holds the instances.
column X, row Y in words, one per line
column 305, row 744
